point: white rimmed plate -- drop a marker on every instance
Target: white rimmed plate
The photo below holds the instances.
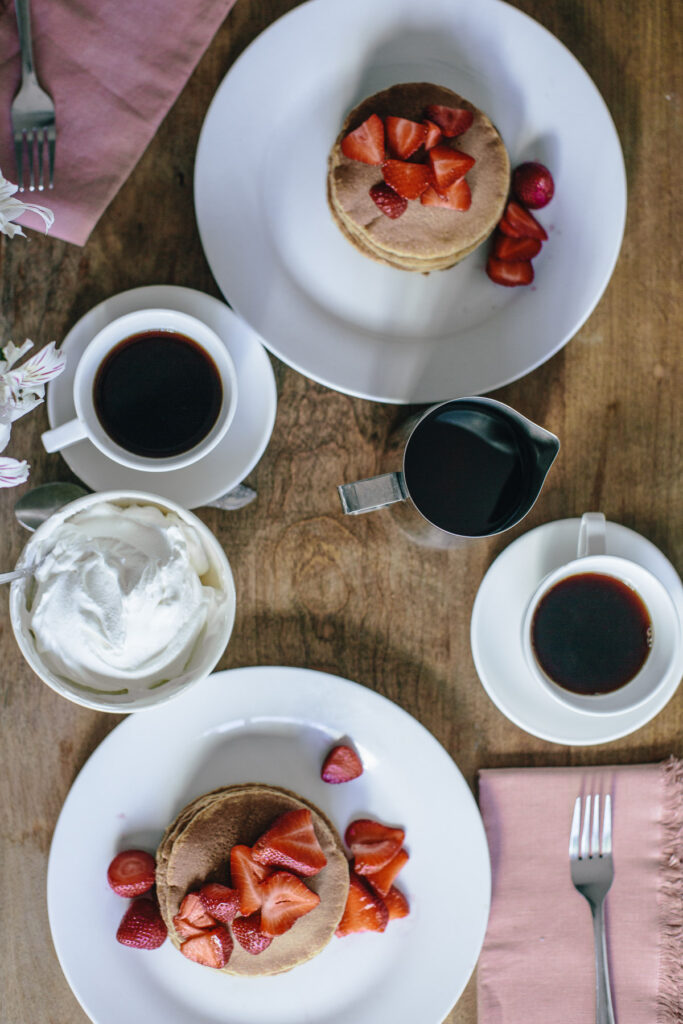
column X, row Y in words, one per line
column 273, row 725
column 334, row 314
column 239, row 450
column 496, row 633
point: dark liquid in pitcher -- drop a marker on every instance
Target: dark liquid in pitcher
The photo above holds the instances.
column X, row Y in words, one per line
column 468, row 469
column 157, row 394
column 591, row 633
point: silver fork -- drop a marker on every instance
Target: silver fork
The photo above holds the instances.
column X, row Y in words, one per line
column 32, row 112
column 592, row 871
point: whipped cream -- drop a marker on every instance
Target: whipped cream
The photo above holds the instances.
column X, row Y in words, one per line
column 119, row 599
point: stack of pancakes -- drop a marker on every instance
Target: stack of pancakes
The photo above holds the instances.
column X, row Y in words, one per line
column 195, row 849
column 424, row 238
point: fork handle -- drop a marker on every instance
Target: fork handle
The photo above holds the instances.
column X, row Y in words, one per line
column 604, row 1012
column 24, row 25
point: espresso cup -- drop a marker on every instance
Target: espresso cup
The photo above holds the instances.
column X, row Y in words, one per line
column 155, row 390
column 601, row 634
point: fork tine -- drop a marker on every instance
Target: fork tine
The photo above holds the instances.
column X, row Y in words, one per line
column 30, row 150
column 51, row 140
column 575, row 829
column 41, row 144
column 584, row 850
column 607, row 828
column 19, row 157
column 595, row 832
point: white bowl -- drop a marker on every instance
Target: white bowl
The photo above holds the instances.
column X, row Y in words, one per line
column 206, row 651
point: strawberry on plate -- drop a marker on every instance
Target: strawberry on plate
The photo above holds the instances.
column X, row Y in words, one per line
column 519, row 223
column 246, row 874
column 448, row 165
column 291, row 843
column 396, row 903
column 192, row 918
column 533, row 184
column 507, row 248
column 373, row 845
column 434, row 134
column 389, row 202
column 342, row 764
column 211, row 949
column 221, row 902
column 510, row 273
column 131, row 873
column 404, row 136
column 248, row 932
column 142, row 925
column 409, row 180
column 456, row 197
column 285, row 899
column 451, row 120
column 365, row 143
column 382, row 880
column 365, row 910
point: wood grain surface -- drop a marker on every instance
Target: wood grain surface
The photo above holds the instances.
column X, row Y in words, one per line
column 353, row 596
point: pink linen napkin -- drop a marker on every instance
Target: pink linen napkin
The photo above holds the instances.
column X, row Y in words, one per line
column 537, row 963
column 113, row 69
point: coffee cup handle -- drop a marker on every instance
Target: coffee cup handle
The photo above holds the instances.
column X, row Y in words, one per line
column 61, row 437
column 591, row 535
column 374, row 492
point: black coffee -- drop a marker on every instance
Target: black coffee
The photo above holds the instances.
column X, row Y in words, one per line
column 468, row 469
column 591, row 633
column 157, row 394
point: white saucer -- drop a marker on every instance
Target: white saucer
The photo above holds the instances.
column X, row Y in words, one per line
column 246, row 440
column 496, row 635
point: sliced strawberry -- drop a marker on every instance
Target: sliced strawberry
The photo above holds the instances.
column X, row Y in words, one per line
column 456, row 197
column 508, row 273
column 389, row 202
column 142, row 925
column 247, row 931
column 451, row 120
column 373, row 845
column 409, row 180
column 519, row 223
column 507, row 248
column 382, row 880
column 291, row 843
column 404, row 136
column 246, row 874
column 365, row 911
column 285, row 900
column 365, row 143
column 434, row 134
column 192, row 918
column 211, row 949
column 131, row 873
column 396, row 903
column 448, row 165
column 221, row 902
column 342, row 763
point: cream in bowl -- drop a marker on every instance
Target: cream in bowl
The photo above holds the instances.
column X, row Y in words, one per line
column 129, row 599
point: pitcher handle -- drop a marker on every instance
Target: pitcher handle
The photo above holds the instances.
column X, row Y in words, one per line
column 591, row 535
column 375, row 492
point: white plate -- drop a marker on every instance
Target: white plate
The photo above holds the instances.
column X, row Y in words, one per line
column 273, row 725
column 496, row 633
column 243, row 445
column 339, row 317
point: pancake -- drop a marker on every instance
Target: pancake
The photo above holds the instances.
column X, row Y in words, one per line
column 423, row 238
column 195, row 849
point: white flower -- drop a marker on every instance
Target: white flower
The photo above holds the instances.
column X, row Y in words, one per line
column 13, row 472
column 11, row 208
column 22, row 389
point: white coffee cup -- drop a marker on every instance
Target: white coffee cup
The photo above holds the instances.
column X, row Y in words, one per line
column 87, row 424
column 665, row 649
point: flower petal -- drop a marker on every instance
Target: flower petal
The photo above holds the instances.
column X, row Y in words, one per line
column 13, row 472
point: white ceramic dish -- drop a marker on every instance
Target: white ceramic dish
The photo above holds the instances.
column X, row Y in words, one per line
column 321, row 306
column 234, row 456
column 206, row 653
column 496, row 634
column 273, row 725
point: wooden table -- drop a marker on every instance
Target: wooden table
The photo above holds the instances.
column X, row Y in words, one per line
column 353, row 596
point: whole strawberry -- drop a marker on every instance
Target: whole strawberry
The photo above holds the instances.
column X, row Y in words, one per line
column 142, row 925
column 533, row 185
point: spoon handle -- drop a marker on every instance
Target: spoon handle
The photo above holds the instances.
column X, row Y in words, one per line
column 16, row 574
